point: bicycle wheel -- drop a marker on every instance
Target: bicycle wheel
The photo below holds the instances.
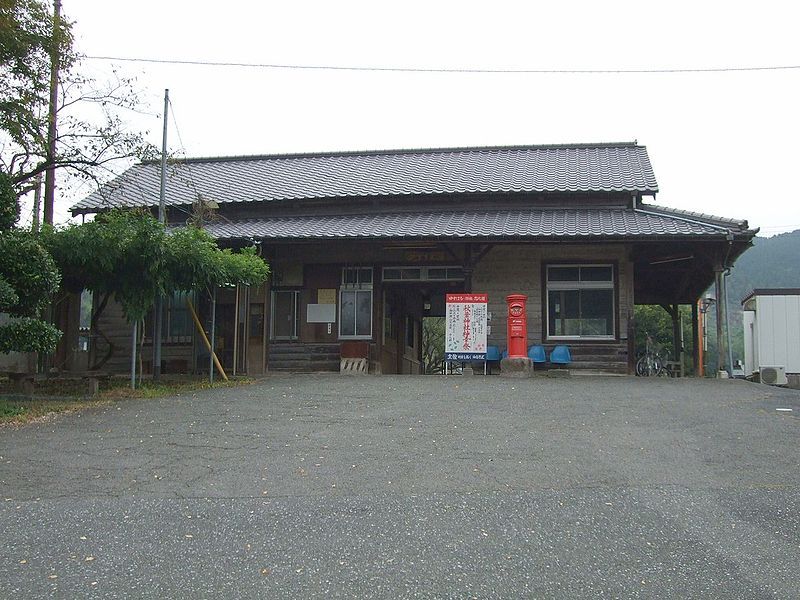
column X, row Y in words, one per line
column 658, row 367
column 641, row 367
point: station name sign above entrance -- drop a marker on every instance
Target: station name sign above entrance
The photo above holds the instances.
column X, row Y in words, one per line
column 466, row 320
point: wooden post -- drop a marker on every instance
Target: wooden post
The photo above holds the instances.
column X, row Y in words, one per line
column 134, row 335
column 235, row 330
column 677, row 338
column 697, row 343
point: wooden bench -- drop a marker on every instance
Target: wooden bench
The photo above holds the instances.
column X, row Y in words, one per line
column 91, row 379
column 25, row 383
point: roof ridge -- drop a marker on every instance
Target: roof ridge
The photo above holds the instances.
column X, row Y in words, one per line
column 398, row 151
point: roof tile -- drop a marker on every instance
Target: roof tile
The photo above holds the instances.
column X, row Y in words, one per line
column 623, row 167
column 524, row 223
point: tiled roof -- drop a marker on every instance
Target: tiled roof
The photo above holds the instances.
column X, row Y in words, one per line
column 520, row 223
column 617, row 167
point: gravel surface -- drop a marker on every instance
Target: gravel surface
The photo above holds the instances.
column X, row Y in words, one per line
column 410, row 487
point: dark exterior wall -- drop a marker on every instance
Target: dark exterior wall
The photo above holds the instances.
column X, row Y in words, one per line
column 504, row 269
column 518, row 269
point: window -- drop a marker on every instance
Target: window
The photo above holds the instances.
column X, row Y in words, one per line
column 85, row 321
column 357, row 277
column 177, row 326
column 355, row 303
column 177, row 321
column 580, row 301
column 423, row 274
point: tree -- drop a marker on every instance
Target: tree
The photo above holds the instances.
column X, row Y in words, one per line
column 28, row 278
column 129, row 256
column 433, row 336
column 91, row 132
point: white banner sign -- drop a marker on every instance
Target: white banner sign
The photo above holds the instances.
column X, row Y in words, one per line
column 465, row 334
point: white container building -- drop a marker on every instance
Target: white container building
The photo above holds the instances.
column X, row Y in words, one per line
column 771, row 321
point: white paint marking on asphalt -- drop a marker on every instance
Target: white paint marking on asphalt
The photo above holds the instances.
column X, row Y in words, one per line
column 784, row 409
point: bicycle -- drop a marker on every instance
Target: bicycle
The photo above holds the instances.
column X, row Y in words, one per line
column 650, row 364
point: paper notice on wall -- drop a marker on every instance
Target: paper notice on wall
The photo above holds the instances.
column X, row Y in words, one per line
column 466, row 327
column 326, row 296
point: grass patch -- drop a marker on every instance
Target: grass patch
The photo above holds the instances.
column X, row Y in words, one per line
column 18, row 411
column 53, row 398
column 168, row 387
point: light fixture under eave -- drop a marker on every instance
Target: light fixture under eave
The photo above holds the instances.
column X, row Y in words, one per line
column 422, row 246
column 662, row 261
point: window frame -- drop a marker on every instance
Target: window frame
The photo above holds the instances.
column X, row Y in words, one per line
column 358, row 287
column 424, row 273
column 167, row 314
column 612, row 284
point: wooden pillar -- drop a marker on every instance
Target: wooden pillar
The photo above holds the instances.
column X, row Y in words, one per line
column 697, row 343
column 469, row 266
column 677, row 335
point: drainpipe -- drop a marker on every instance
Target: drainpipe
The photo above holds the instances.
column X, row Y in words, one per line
column 725, row 288
column 719, row 292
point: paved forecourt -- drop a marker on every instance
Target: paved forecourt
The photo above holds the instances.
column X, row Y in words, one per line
column 387, row 487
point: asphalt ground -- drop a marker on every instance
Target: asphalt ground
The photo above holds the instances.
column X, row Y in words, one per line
column 410, row 487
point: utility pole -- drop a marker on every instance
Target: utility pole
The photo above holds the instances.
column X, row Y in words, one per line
column 55, row 63
column 162, row 218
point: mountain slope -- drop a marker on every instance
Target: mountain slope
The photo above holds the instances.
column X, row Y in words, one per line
column 770, row 263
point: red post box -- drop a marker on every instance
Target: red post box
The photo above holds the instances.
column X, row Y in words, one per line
column 517, row 326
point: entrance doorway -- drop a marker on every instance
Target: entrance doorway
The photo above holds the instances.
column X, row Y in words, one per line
column 414, row 325
column 285, row 305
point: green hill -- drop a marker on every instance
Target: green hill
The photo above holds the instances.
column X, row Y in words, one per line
column 771, row 263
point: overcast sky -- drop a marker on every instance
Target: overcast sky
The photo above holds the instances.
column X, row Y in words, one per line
column 722, row 143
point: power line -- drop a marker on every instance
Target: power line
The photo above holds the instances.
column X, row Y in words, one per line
column 205, row 63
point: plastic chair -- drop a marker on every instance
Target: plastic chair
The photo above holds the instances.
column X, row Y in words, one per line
column 536, row 354
column 560, row 355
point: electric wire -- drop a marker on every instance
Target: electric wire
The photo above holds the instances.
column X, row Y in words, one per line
column 469, row 71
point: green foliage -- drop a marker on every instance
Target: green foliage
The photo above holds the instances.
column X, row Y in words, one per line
column 28, row 268
column 433, row 337
column 8, row 297
column 91, row 132
column 9, row 207
column 25, row 334
column 654, row 320
column 244, row 267
column 26, row 45
column 191, row 260
column 120, row 252
column 770, row 263
column 130, row 255
column 28, row 278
